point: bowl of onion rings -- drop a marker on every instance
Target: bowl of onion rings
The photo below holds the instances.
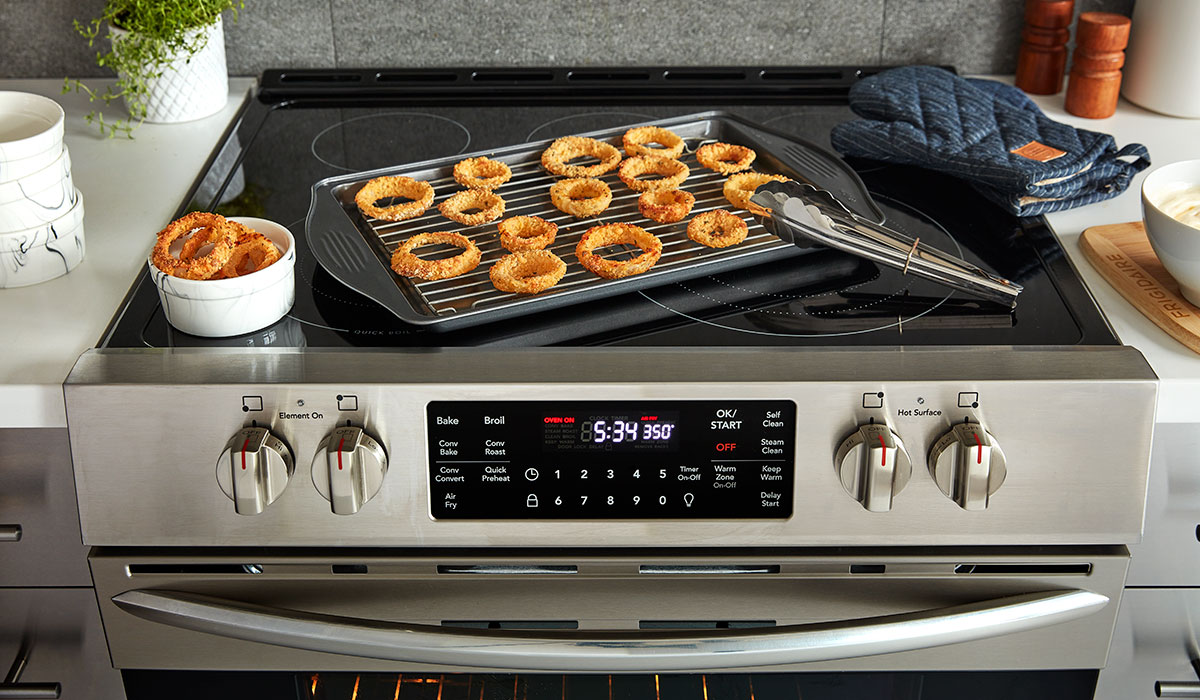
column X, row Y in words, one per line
column 251, row 287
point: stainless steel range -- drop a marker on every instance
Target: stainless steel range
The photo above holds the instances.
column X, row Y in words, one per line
column 763, row 478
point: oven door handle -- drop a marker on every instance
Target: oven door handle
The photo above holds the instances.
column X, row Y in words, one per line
column 609, row 651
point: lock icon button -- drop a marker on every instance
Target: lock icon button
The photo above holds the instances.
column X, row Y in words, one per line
column 531, row 501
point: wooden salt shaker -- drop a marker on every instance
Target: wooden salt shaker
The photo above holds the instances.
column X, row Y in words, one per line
column 1100, row 40
column 1043, row 55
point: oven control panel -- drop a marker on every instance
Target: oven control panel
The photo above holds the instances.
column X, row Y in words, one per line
column 630, row 460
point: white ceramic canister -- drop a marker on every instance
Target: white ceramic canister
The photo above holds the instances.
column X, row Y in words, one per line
column 31, row 134
column 1162, row 63
column 39, row 198
column 189, row 88
column 43, row 253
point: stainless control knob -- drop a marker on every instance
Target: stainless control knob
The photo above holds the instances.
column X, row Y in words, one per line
column 348, row 469
column 254, row 469
column 873, row 466
column 967, row 465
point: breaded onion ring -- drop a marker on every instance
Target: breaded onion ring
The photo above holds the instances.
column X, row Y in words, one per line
column 405, row 261
column 489, row 204
column 666, row 206
column 526, row 233
column 717, row 229
column 618, row 234
column 672, row 171
column 554, row 158
column 725, row 158
column 253, row 248
column 421, row 194
column 481, row 173
column 214, row 229
column 205, row 236
column 636, row 139
column 581, row 197
column 740, row 187
column 527, row 271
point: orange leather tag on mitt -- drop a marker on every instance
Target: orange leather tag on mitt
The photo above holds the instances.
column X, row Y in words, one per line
column 1035, row 150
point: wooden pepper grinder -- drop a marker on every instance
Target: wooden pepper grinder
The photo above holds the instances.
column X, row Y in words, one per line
column 1100, row 40
column 1043, row 55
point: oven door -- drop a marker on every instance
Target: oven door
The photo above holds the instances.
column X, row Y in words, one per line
column 1032, row 609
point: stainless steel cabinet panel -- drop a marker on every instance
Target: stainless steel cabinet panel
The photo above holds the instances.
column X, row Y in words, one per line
column 61, row 627
column 37, row 499
column 1155, row 640
column 1169, row 554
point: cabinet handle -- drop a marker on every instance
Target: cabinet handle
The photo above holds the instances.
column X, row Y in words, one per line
column 10, row 533
column 1176, row 689
column 30, row 691
column 11, row 689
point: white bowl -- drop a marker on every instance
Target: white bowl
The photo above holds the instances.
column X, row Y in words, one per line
column 39, row 198
column 221, row 308
column 31, row 133
column 1176, row 243
column 39, row 254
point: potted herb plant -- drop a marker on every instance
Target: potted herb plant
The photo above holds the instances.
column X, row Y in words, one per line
column 169, row 57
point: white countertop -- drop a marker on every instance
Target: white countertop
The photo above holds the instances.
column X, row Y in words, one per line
column 132, row 188
column 1169, row 140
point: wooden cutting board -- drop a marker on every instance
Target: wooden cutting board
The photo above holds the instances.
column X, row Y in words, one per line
column 1122, row 254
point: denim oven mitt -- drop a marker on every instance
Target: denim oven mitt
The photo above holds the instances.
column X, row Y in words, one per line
column 988, row 134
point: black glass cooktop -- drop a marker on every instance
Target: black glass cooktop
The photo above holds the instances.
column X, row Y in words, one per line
column 302, row 127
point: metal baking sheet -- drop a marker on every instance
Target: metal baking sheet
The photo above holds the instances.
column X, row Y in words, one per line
column 357, row 250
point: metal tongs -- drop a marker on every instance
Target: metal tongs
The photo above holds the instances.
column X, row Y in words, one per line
column 802, row 214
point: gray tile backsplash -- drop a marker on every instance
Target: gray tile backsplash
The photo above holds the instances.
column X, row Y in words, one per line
column 606, row 32
column 280, row 33
column 37, row 39
column 977, row 36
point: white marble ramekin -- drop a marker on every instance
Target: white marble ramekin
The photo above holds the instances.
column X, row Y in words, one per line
column 221, row 308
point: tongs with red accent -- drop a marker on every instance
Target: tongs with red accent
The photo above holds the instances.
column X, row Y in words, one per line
column 802, row 214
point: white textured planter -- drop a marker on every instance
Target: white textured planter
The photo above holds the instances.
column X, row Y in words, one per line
column 189, row 88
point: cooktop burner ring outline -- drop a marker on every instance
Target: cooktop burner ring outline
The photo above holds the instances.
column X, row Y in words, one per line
column 861, row 168
column 815, row 314
column 900, row 207
column 319, row 289
column 753, row 331
column 312, row 146
column 577, row 115
column 797, row 297
column 308, row 281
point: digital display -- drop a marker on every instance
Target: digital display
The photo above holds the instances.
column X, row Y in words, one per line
column 611, row 460
column 649, row 430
